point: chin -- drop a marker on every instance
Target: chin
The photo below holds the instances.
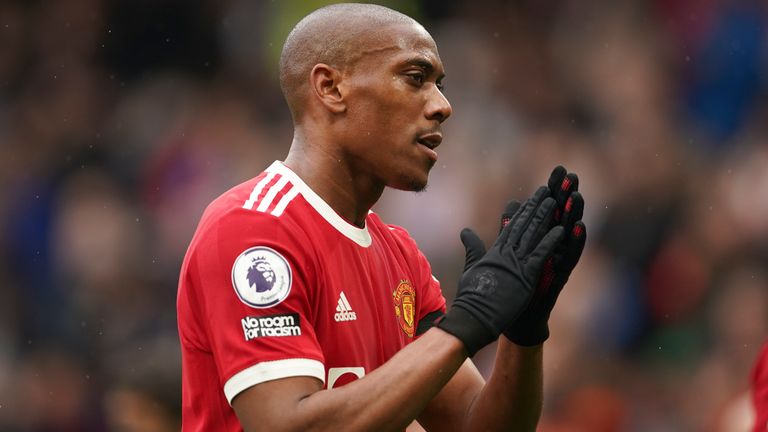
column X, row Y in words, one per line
column 412, row 183
column 417, row 186
column 413, row 180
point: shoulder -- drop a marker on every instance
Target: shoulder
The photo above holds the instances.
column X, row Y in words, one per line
column 255, row 213
column 394, row 233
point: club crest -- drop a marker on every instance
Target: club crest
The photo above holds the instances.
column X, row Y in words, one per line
column 404, row 298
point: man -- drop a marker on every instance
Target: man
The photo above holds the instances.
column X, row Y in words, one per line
column 299, row 309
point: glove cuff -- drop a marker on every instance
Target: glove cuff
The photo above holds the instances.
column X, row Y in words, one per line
column 470, row 331
column 528, row 333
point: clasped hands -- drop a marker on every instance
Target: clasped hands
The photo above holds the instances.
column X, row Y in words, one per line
column 512, row 287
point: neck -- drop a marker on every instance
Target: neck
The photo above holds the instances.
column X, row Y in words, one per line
column 323, row 166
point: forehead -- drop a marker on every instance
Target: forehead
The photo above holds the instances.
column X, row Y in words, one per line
column 398, row 42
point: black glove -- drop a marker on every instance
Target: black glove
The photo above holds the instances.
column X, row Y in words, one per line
column 496, row 289
column 531, row 327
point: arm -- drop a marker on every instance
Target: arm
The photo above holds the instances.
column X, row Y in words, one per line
column 510, row 400
column 388, row 398
column 491, row 293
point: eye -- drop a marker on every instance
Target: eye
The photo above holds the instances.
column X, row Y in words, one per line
column 417, row 77
column 440, row 86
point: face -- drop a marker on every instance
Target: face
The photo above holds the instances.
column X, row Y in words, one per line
column 395, row 106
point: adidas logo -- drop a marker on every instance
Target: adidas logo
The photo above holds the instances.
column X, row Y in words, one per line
column 344, row 310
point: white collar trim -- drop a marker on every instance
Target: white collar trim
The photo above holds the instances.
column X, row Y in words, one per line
column 358, row 235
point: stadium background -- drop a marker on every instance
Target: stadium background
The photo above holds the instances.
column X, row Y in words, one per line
column 121, row 119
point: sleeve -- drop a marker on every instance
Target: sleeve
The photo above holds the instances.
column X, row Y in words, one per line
column 256, row 284
column 430, row 299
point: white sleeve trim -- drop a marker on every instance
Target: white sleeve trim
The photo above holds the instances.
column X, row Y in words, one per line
column 272, row 370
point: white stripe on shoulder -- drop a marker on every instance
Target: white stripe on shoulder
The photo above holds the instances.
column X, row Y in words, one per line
column 257, row 190
column 361, row 236
column 270, row 196
column 283, row 203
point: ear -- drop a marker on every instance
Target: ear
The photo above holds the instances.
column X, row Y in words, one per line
column 325, row 81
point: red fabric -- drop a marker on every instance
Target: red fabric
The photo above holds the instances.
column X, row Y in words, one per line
column 760, row 390
column 324, row 263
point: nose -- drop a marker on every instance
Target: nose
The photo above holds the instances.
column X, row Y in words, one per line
column 438, row 108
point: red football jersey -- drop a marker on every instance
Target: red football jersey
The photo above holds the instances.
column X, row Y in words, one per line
column 275, row 284
column 760, row 390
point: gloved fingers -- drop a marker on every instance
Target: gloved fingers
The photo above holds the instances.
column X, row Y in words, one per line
column 473, row 246
column 556, row 178
column 509, row 212
column 540, row 223
column 544, row 286
column 510, row 235
column 534, row 262
column 574, row 246
column 562, row 192
column 572, row 211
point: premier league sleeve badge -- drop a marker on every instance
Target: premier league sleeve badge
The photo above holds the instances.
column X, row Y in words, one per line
column 261, row 277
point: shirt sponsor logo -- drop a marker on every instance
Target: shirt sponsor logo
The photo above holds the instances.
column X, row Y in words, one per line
column 339, row 376
column 344, row 310
column 271, row 326
column 261, row 277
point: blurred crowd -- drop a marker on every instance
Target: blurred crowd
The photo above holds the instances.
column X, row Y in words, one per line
column 120, row 120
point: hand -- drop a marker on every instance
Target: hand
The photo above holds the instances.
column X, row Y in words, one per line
column 494, row 290
column 531, row 327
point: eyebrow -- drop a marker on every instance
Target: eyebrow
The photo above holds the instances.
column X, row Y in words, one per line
column 428, row 67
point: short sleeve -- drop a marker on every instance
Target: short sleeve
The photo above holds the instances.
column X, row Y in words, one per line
column 255, row 282
column 431, row 303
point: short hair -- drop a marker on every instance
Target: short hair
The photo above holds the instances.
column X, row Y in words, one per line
column 329, row 35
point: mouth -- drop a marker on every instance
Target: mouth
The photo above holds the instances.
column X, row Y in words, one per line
column 430, row 140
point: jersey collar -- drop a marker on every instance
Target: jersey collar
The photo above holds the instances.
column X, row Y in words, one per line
column 358, row 235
